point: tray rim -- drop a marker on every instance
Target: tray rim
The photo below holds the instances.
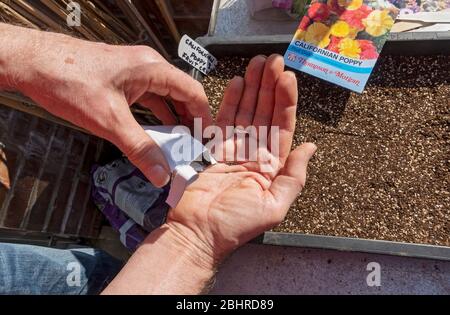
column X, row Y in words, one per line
column 424, row 37
column 351, row 244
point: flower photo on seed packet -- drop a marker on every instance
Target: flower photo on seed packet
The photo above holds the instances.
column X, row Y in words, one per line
column 353, row 28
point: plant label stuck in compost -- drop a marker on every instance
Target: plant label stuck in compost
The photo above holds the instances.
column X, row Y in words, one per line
column 340, row 40
column 195, row 55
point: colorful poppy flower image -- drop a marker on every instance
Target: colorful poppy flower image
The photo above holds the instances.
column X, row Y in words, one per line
column 356, row 29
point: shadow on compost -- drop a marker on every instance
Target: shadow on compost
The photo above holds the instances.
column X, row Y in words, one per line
column 320, row 100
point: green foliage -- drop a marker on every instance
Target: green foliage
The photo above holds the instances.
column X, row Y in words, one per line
column 377, row 41
column 380, row 40
column 299, row 7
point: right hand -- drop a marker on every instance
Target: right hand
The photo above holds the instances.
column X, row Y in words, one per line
column 93, row 86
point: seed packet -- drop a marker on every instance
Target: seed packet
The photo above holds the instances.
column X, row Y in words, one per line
column 340, row 40
column 131, row 204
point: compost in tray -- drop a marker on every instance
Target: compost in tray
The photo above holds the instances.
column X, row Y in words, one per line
column 382, row 170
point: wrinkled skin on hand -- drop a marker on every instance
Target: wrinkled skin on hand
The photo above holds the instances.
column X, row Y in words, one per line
column 231, row 204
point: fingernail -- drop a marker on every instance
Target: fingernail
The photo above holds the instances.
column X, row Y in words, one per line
column 290, row 73
column 159, row 176
column 314, row 149
column 276, row 56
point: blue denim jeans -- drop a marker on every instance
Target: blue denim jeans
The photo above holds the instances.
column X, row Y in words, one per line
column 27, row 269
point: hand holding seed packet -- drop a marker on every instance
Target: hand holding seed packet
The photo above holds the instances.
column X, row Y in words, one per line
column 340, row 40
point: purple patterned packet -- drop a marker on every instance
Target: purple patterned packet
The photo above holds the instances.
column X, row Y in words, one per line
column 132, row 205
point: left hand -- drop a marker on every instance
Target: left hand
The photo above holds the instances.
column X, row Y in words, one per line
column 231, row 204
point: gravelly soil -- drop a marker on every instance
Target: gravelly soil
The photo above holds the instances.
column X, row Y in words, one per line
column 382, row 170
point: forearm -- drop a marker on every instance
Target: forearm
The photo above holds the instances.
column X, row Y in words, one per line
column 16, row 54
column 166, row 263
column 29, row 59
column 51, row 69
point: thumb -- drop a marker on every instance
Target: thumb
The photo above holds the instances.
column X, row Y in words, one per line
column 141, row 150
column 292, row 178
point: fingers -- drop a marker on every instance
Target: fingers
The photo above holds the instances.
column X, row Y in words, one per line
column 253, row 77
column 166, row 80
column 224, row 168
column 159, row 108
column 266, row 99
column 291, row 180
column 284, row 115
column 230, row 103
column 226, row 117
column 140, row 149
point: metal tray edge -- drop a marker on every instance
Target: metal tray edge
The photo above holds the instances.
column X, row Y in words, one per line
column 422, row 43
column 356, row 245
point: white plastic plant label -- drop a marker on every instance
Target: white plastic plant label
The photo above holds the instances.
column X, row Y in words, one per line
column 195, row 55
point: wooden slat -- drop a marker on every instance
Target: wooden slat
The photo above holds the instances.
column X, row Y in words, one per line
column 36, row 13
column 131, row 11
column 114, row 24
column 11, row 16
column 24, row 104
column 30, row 108
column 62, row 13
column 168, row 18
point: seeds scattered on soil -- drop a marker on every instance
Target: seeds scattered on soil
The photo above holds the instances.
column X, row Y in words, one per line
column 382, row 170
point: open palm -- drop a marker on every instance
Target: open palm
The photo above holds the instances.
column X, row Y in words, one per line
column 231, row 204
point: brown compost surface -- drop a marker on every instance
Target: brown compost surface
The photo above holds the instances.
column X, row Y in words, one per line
column 382, row 169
